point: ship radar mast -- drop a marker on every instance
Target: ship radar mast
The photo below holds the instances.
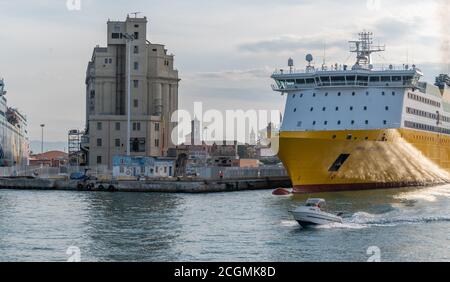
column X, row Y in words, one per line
column 364, row 49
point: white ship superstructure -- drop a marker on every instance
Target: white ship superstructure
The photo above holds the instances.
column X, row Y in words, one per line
column 14, row 143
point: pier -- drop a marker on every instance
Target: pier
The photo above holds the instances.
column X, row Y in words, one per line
column 153, row 186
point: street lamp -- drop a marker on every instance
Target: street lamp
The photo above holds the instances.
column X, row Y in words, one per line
column 129, row 38
column 42, row 138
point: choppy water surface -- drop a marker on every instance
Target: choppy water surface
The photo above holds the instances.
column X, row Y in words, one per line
column 406, row 225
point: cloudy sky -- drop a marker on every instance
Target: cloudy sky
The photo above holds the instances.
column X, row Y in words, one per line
column 225, row 50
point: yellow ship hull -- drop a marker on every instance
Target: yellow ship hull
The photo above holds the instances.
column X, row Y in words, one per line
column 326, row 161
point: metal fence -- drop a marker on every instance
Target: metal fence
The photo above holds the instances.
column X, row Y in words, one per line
column 52, row 172
column 103, row 173
column 237, row 172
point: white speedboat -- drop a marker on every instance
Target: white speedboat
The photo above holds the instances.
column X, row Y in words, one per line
column 312, row 214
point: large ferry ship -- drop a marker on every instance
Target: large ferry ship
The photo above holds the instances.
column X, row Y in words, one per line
column 363, row 127
column 14, row 143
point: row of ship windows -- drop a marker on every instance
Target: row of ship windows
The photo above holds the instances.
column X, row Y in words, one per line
column 427, row 114
column 366, row 122
column 337, row 109
column 427, row 127
column 423, row 100
column 383, row 93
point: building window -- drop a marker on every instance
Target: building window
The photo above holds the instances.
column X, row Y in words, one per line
column 99, row 160
column 314, row 122
column 339, row 122
column 156, row 142
column 325, row 122
column 339, row 93
column 385, row 122
column 367, row 122
column 117, row 142
column 312, row 109
column 136, row 103
column 136, row 83
column 99, row 142
column 136, row 49
column 353, row 122
column 106, row 60
column 387, row 108
column 136, row 126
column 383, row 93
column 99, row 126
column 156, row 126
column 136, row 35
column 110, row 60
column 351, row 108
column 295, row 110
column 136, row 65
column 365, row 108
column 116, row 35
column 117, row 126
column 337, row 109
column 324, row 109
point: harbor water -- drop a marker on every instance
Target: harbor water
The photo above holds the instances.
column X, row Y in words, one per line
column 394, row 225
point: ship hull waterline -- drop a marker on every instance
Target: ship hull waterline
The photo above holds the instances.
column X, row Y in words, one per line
column 333, row 161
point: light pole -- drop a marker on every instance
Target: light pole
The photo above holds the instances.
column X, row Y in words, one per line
column 42, row 138
column 129, row 38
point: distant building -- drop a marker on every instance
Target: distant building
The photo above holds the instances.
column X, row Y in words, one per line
column 50, row 159
column 134, row 167
column 196, row 132
column 154, row 96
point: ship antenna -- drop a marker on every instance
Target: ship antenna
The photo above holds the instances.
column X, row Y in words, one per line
column 364, row 49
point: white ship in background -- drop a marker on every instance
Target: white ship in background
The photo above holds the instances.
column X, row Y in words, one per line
column 14, row 143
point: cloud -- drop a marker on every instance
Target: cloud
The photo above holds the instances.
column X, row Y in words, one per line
column 289, row 43
column 243, row 74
